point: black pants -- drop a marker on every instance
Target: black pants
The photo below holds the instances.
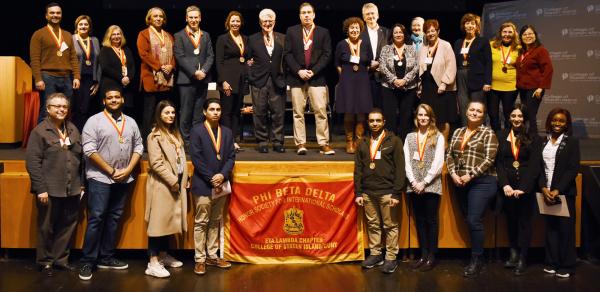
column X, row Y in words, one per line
column 265, row 100
column 426, row 208
column 157, row 244
column 560, row 239
column 191, row 100
column 151, row 99
column 398, row 109
column 82, row 105
column 57, row 221
column 508, row 99
column 532, row 104
column 230, row 111
column 376, row 92
column 519, row 212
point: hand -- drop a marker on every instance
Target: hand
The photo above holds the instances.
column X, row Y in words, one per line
column 175, row 188
column 508, row 190
column 394, row 202
column 94, row 89
column 166, row 69
column 517, row 193
column 457, row 180
column 75, row 83
column 466, row 178
column 200, row 75
column 43, row 198
column 217, row 180
column 554, row 193
column 227, row 88
column 374, row 64
column 250, row 62
column 188, row 184
column 487, row 88
column 419, row 93
column 310, row 73
column 303, row 74
column 120, row 175
column 399, row 83
column 359, row 201
column 442, row 88
column 419, row 187
column 547, row 195
column 125, row 81
column 40, row 85
column 538, row 93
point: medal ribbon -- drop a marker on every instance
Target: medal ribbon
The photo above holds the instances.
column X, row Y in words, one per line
column 466, row 139
column 466, row 56
column 307, row 36
column 115, row 125
column 269, row 42
column 58, row 40
column 513, row 145
column 373, row 150
column 63, row 137
column 432, row 50
column 192, row 38
column 240, row 44
column 216, row 142
column 421, row 148
column 399, row 52
column 354, row 48
column 161, row 35
column 86, row 48
column 505, row 58
column 121, row 54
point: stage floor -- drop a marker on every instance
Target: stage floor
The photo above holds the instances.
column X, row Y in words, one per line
column 19, row 273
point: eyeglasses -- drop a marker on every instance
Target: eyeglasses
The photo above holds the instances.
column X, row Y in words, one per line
column 63, row 106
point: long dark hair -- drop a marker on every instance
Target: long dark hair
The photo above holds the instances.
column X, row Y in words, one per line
column 522, row 134
column 159, row 125
column 535, row 44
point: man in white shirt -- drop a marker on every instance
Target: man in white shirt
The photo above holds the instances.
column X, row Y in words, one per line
column 377, row 37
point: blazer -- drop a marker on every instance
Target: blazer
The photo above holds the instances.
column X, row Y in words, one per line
column 525, row 179
column 293, row 53
column 165, row 210
column 383, row 34
column 81, row 55
column 534, row 70
column 443, row 68
column 204, row 158
column 229, row 67
column 149, row 62
column 479, row 71
column 266, row 66
column 387, row 66
column 566, row 167
column 110, row 68
column 188, row 62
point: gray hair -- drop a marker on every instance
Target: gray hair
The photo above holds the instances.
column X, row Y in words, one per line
column 57, row 95
column 418, row 18
column 266, row 13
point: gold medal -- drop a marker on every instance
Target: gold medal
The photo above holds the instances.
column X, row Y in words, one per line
column 196, row 51
column 242, row 60
column 399, row 63
column 124, row 70
column 421, row 164
column 355, row 68
column 88, row 62
column 465, row 63
column 372, row 165
column 121, row 140
column 218, row 156
column 504, row 69
column 515, row 164
column 59, row 53
column 163, row 49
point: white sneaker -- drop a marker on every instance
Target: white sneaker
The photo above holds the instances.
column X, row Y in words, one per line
column 171, row 262
column 157, row 270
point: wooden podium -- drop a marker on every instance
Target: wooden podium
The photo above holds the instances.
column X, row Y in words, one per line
column 15, row 81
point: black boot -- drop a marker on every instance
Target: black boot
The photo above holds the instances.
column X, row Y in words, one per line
column 474, row 268
column 513, row 259
column 521, row 266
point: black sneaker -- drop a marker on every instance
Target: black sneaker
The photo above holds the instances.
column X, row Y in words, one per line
column 85, row 272
column 389, row 266
column 372, row 260
column 112, row 264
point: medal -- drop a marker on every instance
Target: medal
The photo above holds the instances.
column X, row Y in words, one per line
column 163, row 49
column 218, row 156
column 121, row 54
column 421, row 149
column 88, row 62
column 242, row 60
column 57, row 39
column 399, row 54
column 240, row 45
column 421, row 164
column 192, row 38
column 374, row 146
column 121, row 140
column 124, row 70
column 372, row 165
column 86, row 45
column 505, row 58
column 504, row 69
column 354, row 53
column 59, row 53
column 399, row 63
column 514, row 147
column 196, row 51
column 307, row 37
column 465, row 63
column 465, row 50
column 355, row 68
column 515, row 164
column 215, row 141
column 114, row 123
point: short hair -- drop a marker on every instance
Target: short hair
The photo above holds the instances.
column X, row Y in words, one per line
column 497, row 42
column 160, row 125
column 52, row 4
column 376, row 110
column 109, row 31
column 402, row 28
column 352, row 20
column 537, row 42
column 304, row 4
column 209, row 101
column 419, row 19
column 481, row 102
column 57, row 95
column 559, row 110
column 431, row 23
column 231, row 14
column 192, row 8
column 267, row 13
column 149, row 14
column 113, row 88
column 369, row 6
column 468, row 17
column 82, row 17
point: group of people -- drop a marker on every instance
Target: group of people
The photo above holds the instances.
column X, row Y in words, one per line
column 517, row 162
column 419, row 80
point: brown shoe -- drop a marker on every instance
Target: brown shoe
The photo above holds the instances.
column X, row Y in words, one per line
column 218, row 262
column 200, row 268
column 301, row 150
column 325, row 149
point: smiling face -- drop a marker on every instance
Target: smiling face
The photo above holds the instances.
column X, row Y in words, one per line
column 370, row 16
column 157, row 18
column 376, row 122
column 167, row 115
column 516, row 118
column 528, row 37
column 475, row 113
column 354, row 31
column 558, row 123
column 116, row 37
column 235, row 23
column 193, row 20
column 83, row 27
column 267, row 24
column 470, row 28
column 54, row 15
column 398, row 35
column 113, row 101
column 507, row 34
column 431, row 34
column 307, row 15
column 58, row 109
column 422, row 118
column 417, row 27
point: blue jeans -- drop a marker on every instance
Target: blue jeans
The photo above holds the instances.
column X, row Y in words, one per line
column 475, row 199
column 54, row 84
column 105, row 207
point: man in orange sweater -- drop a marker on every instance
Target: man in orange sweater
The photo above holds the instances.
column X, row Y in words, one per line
column 53, row 59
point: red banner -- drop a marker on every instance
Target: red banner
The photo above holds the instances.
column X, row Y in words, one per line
column 293, row 220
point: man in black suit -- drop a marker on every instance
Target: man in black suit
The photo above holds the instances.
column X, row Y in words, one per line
column 265, row 49
column 377, row 37
column 194, row 54
column 307, row 52
column 213, row 157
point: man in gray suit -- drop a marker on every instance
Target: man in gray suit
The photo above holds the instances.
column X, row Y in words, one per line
column 194, row 54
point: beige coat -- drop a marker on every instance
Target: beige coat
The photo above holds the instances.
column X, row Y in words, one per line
column 443, row 68
column 165, row 211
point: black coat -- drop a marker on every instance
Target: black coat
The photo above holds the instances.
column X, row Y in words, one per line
column 265, row 65
column 525, row 179
column 566, row 167
column 187, row 61
column 110, row 71
column 383, row 34
column 294, row 55
column 229, row 67
column 479, row 72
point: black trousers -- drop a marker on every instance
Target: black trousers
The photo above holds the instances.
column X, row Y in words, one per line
column 398, row 109
column 230, row 111
column 57, row 221
column 508, row 99
column 265, row 100
column 519, row 212
column 532, row 104
column 82, row 105
column 560, row 239
column 426, row 209
column 157, row 244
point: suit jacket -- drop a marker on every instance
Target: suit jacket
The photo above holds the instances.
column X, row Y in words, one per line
column 479, row 72
column 387, row 66
column 293, row 54
column 149, row 62
column 188, row 62
column 265, row 65
column 204, row 158
column 443, row 68
column 229, row 67
column 110, row 68
column 529, row 164
column 383, row 35
column 94, row 53
column 566, row 167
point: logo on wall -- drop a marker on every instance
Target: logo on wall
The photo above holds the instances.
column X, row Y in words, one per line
column 565, row 31
column 590, row 98
column 539, row 11
column 590, row 53
column 293, row 221
column 565, row 76
column 590, row 8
